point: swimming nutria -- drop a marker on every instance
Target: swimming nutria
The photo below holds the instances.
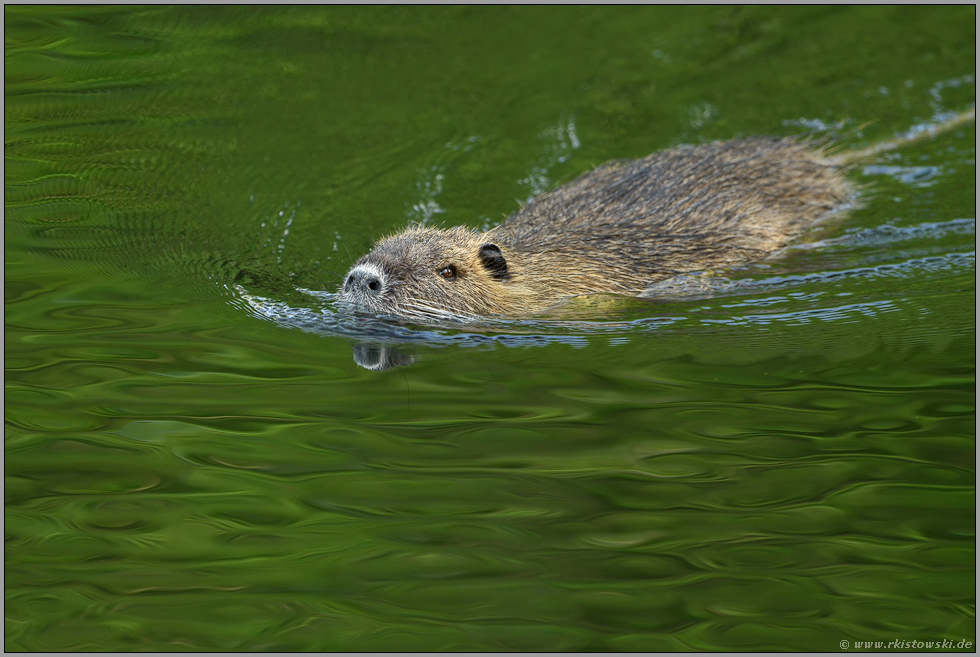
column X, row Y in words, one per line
column 617, row 229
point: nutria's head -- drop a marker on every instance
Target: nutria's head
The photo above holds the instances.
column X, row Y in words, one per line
column 430, row 273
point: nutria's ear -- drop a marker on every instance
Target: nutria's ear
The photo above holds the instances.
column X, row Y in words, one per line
column 494, row 261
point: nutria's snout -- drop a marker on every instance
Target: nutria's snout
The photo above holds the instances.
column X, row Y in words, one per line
column 364, row 286
column 365, row 279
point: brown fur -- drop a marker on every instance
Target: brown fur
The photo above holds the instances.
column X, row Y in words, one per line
column 616, row 229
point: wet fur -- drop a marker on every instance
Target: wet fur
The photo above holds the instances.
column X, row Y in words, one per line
column 616, row 229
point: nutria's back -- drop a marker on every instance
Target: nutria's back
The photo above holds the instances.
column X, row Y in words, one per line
column 616, row 229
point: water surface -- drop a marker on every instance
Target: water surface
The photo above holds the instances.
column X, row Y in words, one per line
column 777, row 457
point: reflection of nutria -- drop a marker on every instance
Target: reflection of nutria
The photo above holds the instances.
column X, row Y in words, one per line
column 616, row 229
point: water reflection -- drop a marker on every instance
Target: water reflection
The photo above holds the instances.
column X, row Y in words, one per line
column 379, row 357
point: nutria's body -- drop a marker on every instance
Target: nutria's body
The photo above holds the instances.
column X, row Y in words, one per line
column 616, row 229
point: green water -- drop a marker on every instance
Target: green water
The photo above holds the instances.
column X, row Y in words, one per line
column 780, row 458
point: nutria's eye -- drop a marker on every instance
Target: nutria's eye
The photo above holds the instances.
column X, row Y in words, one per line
column 448, row 272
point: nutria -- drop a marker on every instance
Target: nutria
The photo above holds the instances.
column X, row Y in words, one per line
column 616, row 229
